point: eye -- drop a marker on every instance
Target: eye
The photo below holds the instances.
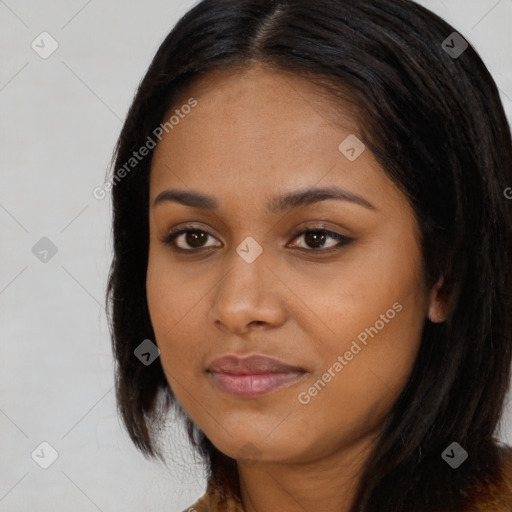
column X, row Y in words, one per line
column 194, row 237
column 314, row 237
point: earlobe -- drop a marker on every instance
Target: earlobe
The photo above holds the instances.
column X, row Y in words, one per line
column 437, row 306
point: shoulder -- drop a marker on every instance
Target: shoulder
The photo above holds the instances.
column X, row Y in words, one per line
column 496, row 495
column 215, row 501
column 201, row 505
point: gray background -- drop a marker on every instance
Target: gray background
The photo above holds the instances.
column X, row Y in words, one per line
column 60, row 117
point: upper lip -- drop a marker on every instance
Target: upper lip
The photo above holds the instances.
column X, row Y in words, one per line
column 251, row 365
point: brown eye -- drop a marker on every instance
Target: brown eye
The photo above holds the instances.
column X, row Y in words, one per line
column 193, row 238
column 316, row 238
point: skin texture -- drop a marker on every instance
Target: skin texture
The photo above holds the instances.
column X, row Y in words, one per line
column 254, row 135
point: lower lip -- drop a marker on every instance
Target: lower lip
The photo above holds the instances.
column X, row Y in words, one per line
column 249, row 386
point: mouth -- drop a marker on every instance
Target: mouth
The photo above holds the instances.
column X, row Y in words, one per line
column 251, row 386
column 252, row 376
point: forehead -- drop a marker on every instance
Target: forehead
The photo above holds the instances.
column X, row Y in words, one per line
column 258, row 131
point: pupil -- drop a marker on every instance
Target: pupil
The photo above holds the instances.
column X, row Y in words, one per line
column 195, row 237
column 315, row 238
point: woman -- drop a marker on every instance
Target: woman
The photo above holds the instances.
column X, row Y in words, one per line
column 311, row 224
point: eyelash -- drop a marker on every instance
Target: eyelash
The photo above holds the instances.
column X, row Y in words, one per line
column 343, row 240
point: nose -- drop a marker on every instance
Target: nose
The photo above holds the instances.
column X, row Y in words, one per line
column 249, row 295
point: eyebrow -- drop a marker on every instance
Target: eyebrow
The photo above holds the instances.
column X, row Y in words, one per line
column 277, row 205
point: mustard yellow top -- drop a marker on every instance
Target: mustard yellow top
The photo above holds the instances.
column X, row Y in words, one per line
column 213, row 501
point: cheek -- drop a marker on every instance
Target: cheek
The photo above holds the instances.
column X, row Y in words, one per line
column 340, row 301
column 170, row 295
column 169, row 303
column 359, row 381
column 372, row 315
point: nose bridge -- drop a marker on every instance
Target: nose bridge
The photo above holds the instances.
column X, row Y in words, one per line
column 249, row 291
column 247, row 276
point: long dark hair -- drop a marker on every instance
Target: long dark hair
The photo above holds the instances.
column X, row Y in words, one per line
column 435, row 122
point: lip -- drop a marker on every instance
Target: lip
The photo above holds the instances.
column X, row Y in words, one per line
column 252, row 376
column 256, row 364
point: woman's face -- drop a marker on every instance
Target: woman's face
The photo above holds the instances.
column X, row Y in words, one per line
column 247, row 282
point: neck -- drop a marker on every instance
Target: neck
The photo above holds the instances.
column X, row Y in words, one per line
column 317, row 484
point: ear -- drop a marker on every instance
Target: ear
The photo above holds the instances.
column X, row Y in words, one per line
column 437, row 305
